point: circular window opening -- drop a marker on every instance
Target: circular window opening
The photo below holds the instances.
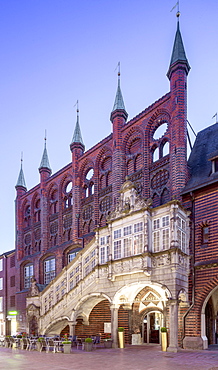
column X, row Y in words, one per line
column 160, row 131
column 89, row 174
column 69, row 187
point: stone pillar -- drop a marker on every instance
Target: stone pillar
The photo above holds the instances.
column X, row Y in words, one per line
column 72, row 326
column 173, row 345
column 114, row 325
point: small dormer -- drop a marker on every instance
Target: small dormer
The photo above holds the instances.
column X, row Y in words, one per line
column 214, row 162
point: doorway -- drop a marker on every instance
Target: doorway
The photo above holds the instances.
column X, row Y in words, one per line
column 152, row 323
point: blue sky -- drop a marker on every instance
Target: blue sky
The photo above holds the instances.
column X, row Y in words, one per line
column 54, row 52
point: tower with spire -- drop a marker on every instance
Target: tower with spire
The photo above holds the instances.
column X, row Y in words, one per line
column 177, row 73
column 118, row 118
column 77, row 148
column 20, row 190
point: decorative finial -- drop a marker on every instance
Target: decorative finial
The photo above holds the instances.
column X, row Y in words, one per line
column 45, row 138
column 178, row 12
column 118, row 67
column 21, row 159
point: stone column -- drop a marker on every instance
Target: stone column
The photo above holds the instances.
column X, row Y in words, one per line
column 114, row 324
column 173, row 314
column 72, row 326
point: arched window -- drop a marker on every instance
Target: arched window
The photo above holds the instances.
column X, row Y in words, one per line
column 91, row 187
column 37, row 213
column 54, row 202
column 27, row 216
column 49, row 270
column 28, row 274
column 166, row 148
column 155, row 155
column 86, row 191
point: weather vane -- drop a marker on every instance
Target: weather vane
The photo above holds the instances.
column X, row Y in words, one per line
column 176, row 5
column 77, row 106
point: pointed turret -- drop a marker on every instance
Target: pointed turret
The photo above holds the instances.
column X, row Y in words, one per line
column 119, row 106
column 21, row 180
column 77, row 136
column 45, row 162
column 178, row 54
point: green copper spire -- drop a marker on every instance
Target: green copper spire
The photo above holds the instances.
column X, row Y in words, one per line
column 119, row 106
column 119, row 103
column 21, row 180
column 178, row 53
column 45, row 162
column 77, row 136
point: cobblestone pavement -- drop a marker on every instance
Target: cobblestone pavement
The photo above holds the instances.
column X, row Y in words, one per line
column 129, row 358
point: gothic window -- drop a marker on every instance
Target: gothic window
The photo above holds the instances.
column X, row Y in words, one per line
column 37, row 211
column 89, row 183
column 165, row 148
column 49, row 270
column 155, row 154
column 106, row 177
column 91, row 188
column 54, row 202
column 160, row 131
column 28, row 274
column 68, row 195
column 27, row 216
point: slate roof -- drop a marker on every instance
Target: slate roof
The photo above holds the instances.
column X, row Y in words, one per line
column 205, row 148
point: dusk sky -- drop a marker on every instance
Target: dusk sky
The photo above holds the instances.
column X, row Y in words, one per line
column 54, row 52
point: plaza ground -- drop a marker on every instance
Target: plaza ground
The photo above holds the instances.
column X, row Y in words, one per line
column 129, row 358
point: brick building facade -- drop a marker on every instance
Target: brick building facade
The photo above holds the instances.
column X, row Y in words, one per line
column 8, row 318
column 58, row 218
